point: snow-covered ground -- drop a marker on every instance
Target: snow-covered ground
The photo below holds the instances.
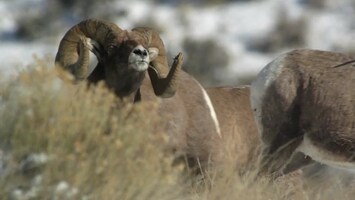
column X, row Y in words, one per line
column 232, row 25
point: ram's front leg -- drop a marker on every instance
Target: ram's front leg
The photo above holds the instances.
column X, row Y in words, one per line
column 277, row 157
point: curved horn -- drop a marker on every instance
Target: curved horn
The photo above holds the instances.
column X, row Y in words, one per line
column 164, row 81
column 166, row 87
column 88, row 35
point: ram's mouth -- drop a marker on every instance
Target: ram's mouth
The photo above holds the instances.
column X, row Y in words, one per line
column 142, row 61
column 139, row 65
column 139, row 62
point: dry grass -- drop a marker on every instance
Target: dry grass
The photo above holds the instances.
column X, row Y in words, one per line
column 97, row 147
column 102, row 147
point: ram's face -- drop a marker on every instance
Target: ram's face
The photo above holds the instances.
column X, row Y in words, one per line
column 131, row 55
column 138, row 58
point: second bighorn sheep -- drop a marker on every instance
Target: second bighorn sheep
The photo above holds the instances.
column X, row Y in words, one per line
column 194, row 122
column 304, row 105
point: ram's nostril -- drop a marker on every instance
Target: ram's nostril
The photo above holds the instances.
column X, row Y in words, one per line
column 141, row 52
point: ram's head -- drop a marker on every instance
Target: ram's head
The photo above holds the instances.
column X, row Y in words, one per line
column 123, row 57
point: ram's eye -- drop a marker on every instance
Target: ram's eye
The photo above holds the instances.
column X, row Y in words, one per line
column 110, row 48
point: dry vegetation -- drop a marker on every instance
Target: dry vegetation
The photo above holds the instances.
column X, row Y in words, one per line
column 60, row 141
column 100, row 147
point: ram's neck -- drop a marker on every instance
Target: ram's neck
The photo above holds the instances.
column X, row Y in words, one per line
column 127, row 86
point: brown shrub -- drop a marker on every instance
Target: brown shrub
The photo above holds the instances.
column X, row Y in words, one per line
column 98, row 146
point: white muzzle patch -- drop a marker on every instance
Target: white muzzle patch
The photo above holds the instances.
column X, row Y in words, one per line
column 139, row 59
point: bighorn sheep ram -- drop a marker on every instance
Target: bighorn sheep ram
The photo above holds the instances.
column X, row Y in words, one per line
column 194, row 121
column 304, row 106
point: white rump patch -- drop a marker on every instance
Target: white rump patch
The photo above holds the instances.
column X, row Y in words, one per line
column 324, row 156
column 258, row 88
column 211, row 109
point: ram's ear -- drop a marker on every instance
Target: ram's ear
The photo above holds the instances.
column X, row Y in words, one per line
column 153, row 53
